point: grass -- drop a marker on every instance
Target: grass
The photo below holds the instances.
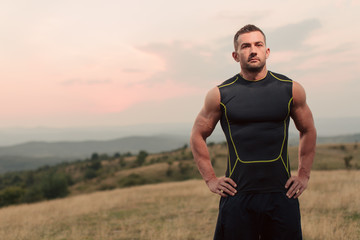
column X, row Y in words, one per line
column 178, row 211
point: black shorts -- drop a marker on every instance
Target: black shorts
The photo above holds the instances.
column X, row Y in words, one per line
column 254, row 216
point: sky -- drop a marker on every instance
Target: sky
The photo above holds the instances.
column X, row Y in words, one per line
column 115, row 63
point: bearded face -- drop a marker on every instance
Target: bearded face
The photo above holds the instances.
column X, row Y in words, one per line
column 251, row 52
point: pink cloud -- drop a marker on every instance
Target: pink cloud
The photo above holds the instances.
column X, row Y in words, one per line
column 77, row 99
column 117, row 97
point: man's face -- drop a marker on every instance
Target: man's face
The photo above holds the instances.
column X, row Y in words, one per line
column 251, row 51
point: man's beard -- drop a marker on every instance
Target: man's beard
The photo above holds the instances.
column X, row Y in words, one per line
column 257, row 68
column 254, row 69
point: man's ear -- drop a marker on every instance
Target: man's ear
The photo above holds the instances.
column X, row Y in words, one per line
column 235, row 55
column 267, row 53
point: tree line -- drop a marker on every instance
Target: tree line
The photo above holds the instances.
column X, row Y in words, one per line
column 47, row 182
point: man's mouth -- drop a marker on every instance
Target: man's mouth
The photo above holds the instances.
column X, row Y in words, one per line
column 254, row 59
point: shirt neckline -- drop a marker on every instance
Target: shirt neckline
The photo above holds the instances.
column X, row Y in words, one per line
column 255, row 81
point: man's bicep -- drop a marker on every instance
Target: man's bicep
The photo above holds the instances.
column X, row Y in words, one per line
column 303, row 118
column 301, row 113
column 205, row 122
column 210, row 113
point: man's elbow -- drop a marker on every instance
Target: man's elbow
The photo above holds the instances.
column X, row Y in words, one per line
column 195, row 137
column 309, row 133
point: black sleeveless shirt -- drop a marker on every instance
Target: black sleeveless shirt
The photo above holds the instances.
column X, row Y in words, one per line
column 255, row 121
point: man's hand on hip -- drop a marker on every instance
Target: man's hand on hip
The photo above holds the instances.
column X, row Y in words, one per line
column 297, row 186
column 223, row 186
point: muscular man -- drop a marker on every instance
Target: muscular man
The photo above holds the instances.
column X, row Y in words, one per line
column 258, row 193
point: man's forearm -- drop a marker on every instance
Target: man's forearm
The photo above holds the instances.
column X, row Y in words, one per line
column 202, row 158
column 306, row 152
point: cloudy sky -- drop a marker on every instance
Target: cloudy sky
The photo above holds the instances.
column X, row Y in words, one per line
column 115, row 62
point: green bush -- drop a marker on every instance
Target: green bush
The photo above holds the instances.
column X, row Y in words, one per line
column 94, row 157
column 95, row 165
column 33, row 194
column 55, row 186
column 132, row 180
column 141, row 158
column 11, row 195
column 90, row 174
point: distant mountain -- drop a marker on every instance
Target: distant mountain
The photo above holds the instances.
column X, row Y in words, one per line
column 35, row 154
column 83, row 149
column 19, row 163
column 12, row 136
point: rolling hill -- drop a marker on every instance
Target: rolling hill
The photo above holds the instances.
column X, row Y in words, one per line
column 35, row 154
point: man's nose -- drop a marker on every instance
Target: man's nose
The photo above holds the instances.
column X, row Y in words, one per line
column 253, row 50
column 253, row 54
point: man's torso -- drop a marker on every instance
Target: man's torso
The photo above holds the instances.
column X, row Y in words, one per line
column 255, row 120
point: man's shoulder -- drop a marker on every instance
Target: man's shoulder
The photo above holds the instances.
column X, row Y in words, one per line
column 280, row 77
column 229, row 81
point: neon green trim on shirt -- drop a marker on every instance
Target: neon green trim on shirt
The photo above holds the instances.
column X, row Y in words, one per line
column 229, row 83
column 232, row 168
column 283, row 80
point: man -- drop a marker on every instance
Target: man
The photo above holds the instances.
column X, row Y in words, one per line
column 258, row 193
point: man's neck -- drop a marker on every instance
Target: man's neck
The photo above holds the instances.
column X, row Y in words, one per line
column 254, row 76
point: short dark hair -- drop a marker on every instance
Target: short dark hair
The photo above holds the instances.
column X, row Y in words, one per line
column 246, row 29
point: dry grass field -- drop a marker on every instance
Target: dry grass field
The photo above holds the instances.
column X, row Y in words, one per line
column 180, row 210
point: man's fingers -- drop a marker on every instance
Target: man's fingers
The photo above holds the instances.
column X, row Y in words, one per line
column 296, row 189
column 226, row 187
column 222, row 193
column 228, row 190
column 292, row 186
column 299, row 192
column 229, row 180
column 289, row 182
column 293, row 189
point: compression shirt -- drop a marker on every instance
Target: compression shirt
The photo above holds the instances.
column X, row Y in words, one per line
column 255, row 120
